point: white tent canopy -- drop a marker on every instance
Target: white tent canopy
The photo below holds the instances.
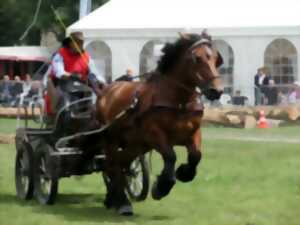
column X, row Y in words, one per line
column 178, row 14
column 247, row 27
column 24, row 53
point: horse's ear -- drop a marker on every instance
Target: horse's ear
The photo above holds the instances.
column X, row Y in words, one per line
column 219, row 60
column 204, row 32
column 184, row 36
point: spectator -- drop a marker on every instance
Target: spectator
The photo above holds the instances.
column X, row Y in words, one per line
column 237, row 99
column 297, row 87
column 292, row 96
column 261, row 80
column 282, row 98
column 5, row 91
column 27, row 83
column 126, row 77
column 271, row 93
column 16, row 90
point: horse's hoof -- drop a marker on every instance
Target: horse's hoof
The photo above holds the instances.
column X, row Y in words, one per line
column 108, row 204
column 185, row 174
column 156, row 195
column 162, row 187
column 125, row 210
column 108, row 201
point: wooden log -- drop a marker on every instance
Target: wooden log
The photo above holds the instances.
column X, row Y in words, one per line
column 289, row 113
column 14, row 112
column 250, row 122
column 6, row 139
column 247, row 117
column 274, row 123
column 234, row 119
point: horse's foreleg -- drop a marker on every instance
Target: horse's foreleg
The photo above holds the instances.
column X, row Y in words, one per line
column 187, row 172
column 115, row 183
column 166, row 180
column 116, row 196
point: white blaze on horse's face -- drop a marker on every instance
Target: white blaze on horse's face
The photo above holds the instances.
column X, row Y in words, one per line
column 208, row 57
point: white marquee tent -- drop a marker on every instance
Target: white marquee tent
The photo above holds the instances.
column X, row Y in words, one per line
column 247, row 27
column 168, row 14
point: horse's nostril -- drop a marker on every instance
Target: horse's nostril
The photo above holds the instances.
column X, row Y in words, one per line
column 213, row 94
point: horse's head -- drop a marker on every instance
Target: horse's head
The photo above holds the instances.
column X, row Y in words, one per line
column 195, row 61
column 202, row 61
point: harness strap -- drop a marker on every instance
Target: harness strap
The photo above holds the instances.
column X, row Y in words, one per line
column 200, row 42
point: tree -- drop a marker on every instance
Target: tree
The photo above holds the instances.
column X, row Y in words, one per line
column 17, row 15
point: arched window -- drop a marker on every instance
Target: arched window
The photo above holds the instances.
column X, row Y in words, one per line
column 226, row 70
column 150, row 55
column 101, row 55
column 281, row 61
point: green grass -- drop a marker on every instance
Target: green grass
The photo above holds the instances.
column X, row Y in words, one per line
column 238, row 183
column 7, row 126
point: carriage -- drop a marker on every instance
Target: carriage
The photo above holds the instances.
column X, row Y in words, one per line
column 50, row 150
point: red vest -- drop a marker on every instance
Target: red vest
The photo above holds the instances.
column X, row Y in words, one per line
column 75, row 63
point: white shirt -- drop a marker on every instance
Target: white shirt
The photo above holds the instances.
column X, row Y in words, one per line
column 261, row 79
column 292, row 97
column 59, row 69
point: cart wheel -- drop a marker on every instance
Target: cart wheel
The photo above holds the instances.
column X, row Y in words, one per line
column 24, row 171
column 45, row 185
column 137, row 184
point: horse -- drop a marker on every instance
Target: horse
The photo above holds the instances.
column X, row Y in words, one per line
column 167, row 112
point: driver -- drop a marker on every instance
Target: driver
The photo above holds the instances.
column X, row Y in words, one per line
column 70, row 59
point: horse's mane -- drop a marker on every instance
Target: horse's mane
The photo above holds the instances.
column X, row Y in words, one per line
column 173, row 51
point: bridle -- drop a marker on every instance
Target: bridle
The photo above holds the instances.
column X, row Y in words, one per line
column 194, row 58
column 191, row 50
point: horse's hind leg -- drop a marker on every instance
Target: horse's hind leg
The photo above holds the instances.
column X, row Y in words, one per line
column 166, row 180
column 187, row 172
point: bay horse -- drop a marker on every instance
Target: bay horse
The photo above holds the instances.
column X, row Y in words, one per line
column 168, row 113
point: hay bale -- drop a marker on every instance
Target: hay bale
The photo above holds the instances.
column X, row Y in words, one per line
column 250, row 122
column 6, row 139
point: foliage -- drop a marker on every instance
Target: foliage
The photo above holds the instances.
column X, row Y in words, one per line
column 17, row 15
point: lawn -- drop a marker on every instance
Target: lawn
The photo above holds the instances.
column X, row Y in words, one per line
column 239, row 182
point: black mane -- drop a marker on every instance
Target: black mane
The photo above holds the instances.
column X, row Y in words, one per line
column 173, row 51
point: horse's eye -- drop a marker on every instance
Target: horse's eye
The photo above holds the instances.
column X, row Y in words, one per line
column 198, row 59
column 208, row 56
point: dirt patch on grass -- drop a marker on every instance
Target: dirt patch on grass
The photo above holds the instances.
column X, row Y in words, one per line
column 7, row 138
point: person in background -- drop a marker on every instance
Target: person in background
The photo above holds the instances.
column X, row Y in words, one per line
column 271, row 93
column 5, row 91
column 292, row 96
column 126, row 77
column 297, row 87
column 261, row 81
column 282, row 98
column 237, row 99
column 17, row 90
column 27, row 83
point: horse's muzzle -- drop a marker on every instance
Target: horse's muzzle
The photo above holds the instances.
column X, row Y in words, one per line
column 212, row 94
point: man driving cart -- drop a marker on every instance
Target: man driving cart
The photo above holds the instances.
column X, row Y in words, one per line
column 70, row 60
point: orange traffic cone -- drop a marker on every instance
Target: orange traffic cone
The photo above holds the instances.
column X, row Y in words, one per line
column 262, row 122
